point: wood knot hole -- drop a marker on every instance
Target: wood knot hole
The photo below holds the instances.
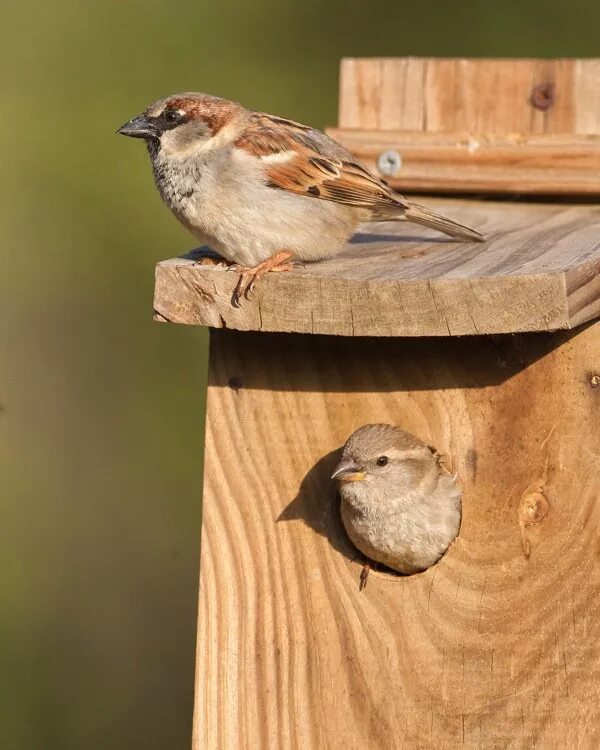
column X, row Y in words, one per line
column 595, row 381
column 542, row 96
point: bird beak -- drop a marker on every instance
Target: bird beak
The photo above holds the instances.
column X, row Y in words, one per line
column 348, row 471
column 140, row 127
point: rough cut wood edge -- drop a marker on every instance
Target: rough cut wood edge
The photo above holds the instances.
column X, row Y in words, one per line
column 583, row 293
column 187, row 295
column 497, row 646
column 537, row 271
column 473, row 95
column 463, row 162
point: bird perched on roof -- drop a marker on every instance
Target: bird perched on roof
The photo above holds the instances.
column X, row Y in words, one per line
column 262, row 190
column 400, row 506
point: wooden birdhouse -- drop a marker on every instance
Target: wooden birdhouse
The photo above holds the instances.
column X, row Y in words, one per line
column 491, row 353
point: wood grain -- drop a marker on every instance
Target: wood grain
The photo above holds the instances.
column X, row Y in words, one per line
column 538, row 271
column 497, row 646
column 506, row 122
column 587, row 96
column 481, row 96
column 461, row 162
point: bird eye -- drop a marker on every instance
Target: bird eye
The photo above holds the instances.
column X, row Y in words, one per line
column 172, row 115
column 382, row 460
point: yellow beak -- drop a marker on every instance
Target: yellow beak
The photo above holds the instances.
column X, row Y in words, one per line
column 356, row 476
column 348, row 471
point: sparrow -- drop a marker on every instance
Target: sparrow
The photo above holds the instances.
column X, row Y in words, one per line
column 400, row 505
column 263, row 191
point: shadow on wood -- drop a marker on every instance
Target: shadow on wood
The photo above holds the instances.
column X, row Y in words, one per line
column 387, row 364
column 317, row 504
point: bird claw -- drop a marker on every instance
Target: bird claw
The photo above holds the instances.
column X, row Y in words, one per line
column 239, row 291
column 364, row 575
column 249, row 276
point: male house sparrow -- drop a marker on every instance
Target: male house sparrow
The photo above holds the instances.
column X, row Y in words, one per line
column 261, row 190
column 399, row 506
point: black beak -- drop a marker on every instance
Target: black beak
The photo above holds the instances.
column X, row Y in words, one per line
column 140, row 127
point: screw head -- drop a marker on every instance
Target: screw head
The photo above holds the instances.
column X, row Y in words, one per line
column 389, row 162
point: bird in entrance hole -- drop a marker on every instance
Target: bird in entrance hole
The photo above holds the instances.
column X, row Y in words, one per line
column 400, row 505
column 263, row 191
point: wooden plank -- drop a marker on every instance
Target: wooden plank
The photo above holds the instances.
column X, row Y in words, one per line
column 465, row 125
column 536, row 272
column 587, row 96
column 460, row 162
column 495, row 646
column 481, row 96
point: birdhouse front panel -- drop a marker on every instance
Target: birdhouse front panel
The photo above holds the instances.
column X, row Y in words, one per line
column 496, row 645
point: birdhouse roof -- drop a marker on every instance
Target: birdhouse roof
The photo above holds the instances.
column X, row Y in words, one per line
column 537, row 271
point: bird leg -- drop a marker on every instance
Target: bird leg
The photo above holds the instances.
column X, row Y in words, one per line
column 364, row 574
column 249, row 275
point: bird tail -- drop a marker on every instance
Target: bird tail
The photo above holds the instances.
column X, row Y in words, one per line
column 422, row 215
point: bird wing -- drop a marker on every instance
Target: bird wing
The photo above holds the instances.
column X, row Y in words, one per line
column 316, row 166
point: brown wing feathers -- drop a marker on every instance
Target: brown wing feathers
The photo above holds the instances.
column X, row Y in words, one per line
column 321, row 168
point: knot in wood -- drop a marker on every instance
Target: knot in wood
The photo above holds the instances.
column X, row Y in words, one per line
column 533, row 507
column 542, row 96
column 595, row 381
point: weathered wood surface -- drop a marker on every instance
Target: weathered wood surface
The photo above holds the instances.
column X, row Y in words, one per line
column 498, row 645
column 475, row 102
column 452, row 163
column 536, row 272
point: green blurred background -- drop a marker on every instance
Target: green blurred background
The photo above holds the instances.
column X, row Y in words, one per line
column 101, row 410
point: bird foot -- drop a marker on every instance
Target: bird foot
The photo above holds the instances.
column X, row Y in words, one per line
column 250, row 275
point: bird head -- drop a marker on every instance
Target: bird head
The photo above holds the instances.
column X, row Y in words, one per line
column 384, row 458
column 182, row 122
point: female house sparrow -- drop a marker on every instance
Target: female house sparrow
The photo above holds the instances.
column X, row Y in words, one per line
column 261, row 190
column 399, row 506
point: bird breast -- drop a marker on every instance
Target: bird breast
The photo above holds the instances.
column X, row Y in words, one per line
column 222, row 197
column 406, row 534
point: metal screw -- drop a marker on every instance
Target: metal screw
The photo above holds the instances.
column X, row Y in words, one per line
column 595, row 381
column 389, row 163
column 542, row 96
